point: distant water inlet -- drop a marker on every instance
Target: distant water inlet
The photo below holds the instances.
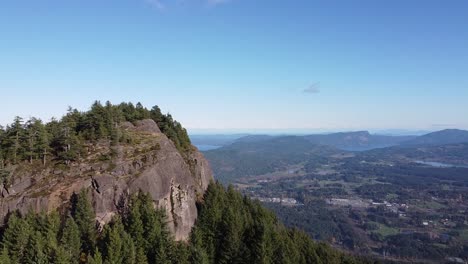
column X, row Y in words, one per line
column 207, row 147
column 440, row 164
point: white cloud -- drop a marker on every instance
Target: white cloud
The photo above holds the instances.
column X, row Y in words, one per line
column 217, row 2
column 312, row 89
column 158, row 4
column 166, row 4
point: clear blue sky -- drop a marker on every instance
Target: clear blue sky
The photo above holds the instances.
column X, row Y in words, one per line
column 241, row 64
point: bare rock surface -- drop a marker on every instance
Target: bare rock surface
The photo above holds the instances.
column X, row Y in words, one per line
column 152, row 165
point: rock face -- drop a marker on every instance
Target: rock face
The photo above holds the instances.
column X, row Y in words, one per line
column 151, row 164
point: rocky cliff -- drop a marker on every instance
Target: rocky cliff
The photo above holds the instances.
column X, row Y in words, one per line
column 149, row 163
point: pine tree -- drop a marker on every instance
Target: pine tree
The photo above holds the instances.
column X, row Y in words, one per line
column 142, row 113
column 15, row 135
column 16, row 237
column 31, row 132
column 156, row 233
column 113, row 243
column 71, row 241
column 96, row 258
column 84, row 217
column 197, row 252
column 61, row 256
column 133, row 221
column 4, row 257
column 2, row 147
column 42, row 147
column 229, row 237
column 50, row 234
column 34, row 252
column 128, row 249
column 140, row 257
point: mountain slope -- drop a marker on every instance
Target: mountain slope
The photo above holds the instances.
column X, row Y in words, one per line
column 453, row 154
column 361, row 140
column 141, row 158
column 263, row 156
column 448, row 136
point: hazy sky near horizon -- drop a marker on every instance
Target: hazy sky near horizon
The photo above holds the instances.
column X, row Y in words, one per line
column 240, row 64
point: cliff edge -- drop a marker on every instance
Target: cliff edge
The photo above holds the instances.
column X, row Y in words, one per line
column 150, row 163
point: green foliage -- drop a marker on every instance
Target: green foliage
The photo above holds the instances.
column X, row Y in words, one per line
column 230, row 229
column 84, row 217
column 71, row 241
column 4, row 258
column 234, row 229
column 63, row 140
column 96, row 259
column 172, row 129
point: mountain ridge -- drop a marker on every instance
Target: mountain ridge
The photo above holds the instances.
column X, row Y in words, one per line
column 442, row 137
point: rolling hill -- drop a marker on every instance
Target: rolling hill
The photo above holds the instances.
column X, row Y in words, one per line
column 443, row 137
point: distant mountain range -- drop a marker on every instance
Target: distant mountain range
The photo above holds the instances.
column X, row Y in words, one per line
column 443, row 137
column 350, row 141
column 357, row 141
column 261, row 154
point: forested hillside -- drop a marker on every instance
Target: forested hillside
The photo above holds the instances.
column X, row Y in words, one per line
column 230, row 229
column 259, row 156
column 63, row 140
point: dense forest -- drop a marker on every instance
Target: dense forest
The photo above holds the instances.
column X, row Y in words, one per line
column 63, row 140
column 231, row 228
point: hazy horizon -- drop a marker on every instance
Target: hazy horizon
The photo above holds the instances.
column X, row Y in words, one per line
column 292, row 131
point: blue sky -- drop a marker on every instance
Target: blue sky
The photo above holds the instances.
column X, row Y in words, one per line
column 241, row 65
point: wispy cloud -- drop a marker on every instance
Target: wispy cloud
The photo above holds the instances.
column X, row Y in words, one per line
column 217, row 2
column 312, row 89
column 165, row 4
column 158, row 4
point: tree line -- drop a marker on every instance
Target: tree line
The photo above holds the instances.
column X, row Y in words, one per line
column 231, row 228
column 63, row 139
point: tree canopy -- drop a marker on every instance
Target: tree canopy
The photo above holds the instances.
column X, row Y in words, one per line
column 230, row 228
column 63, row 140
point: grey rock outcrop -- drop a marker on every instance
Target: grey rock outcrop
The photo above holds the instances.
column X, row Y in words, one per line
column 152, row 164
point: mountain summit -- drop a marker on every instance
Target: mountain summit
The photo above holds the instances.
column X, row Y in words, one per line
column 110, row 153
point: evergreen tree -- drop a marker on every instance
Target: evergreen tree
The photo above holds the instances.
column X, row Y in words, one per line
column 32, row 134
column 229, row 237
column 4, row 257
column 66, row 143
column 50, row 231
column 16, row 237
column 140, row 257
column 34, row 252
column 15, row 135
column 84, row 217
column 96, row 258
column 133, row 222
column 157, row 236
column 197, row 252
column 42, row 146
column 141, row 112
column 128, row 249
column 3, row 152
column 61, row 256
column 71, row 241
column 113, row 244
